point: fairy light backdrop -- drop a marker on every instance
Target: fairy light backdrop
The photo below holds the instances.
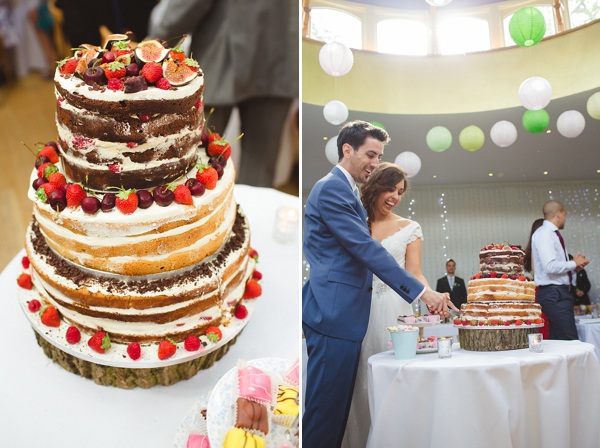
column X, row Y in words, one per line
column 458, row 220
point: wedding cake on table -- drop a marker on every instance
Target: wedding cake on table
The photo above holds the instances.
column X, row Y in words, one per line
column 138, row 257
column 501, row 310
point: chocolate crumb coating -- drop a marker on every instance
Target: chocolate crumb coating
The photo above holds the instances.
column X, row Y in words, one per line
column 251, row 415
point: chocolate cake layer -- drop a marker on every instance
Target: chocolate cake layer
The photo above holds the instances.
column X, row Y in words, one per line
column 125, row 128
column 130, row 107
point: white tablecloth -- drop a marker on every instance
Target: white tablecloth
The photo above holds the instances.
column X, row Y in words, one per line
column 41, row 404
column 487, row 399
column 589, row 331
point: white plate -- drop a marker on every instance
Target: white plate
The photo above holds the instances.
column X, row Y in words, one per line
column 497, row 327
column 191, row 421
column 220, row 413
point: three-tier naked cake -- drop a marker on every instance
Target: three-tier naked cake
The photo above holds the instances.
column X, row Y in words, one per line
column 501, row 310
column 137, row 252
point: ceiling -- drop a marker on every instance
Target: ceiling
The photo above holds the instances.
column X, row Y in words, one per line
column 422, row 4
column 524, row 161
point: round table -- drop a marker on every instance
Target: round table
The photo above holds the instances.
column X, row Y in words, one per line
column 513, row 398
column 589, row 331
column 44, row 405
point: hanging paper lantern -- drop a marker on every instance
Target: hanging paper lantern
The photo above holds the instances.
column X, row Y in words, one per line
column 535, row 93
column 331, row 151
column 503, row 133
column 536, row 121
column 335, row 112
column 471, row 138
column 438, row 3
column 593, row 106
column 336, row 59
column 378, row 124
column 570, row 123
column 410, row 162
column 527, row 26
column 439, row 139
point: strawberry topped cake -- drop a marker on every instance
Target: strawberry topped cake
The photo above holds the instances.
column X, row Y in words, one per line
column 135, row 231
column 499, row 296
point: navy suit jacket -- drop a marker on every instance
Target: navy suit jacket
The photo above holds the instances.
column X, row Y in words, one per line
column 336, row 300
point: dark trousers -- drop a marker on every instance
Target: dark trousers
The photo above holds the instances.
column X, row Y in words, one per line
column 330, row 377
column 557, row 304
column 262, row 121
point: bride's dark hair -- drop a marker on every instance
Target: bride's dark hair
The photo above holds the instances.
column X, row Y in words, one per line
column 382, row 179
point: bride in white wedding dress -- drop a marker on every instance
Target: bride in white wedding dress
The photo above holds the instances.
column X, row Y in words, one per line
column 402, row 238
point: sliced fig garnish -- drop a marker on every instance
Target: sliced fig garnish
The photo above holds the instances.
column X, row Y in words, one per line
column 151, row 51
column 177, row 74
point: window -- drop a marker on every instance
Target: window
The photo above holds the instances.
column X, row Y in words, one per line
column 328, row 25
column 583, row 11
column 401, row 36
column 463, row 35
column 548, row 13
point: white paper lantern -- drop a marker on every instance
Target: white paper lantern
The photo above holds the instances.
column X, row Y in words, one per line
column 535, row 93
column 570, row 123
column 410, row 162
column 331, row 151
column 335, row 112
column 336, row 59
column 593, row 106
column 503, row 133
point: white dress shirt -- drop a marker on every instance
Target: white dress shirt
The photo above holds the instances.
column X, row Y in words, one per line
column 549, row 259
column 451, row 282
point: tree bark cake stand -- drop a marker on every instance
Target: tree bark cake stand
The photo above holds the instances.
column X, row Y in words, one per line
column 497, row 338
column 115, row 367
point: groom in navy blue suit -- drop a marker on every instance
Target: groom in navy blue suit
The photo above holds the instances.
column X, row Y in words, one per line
column 336, row 300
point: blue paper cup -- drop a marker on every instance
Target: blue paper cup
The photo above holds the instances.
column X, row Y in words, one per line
column 405, row 343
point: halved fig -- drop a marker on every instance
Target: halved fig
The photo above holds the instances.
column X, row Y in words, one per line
column 151, row 51
column 124, row 58
column 112, row 38
column 177, row 74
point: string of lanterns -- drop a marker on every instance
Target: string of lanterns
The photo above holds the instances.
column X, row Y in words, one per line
column 527, row 27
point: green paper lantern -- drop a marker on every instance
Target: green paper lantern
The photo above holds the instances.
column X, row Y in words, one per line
column 378, row 124
column 439, row 139
column 593, row 106
column 471, row 138
column 536, row 121
column 527, row 26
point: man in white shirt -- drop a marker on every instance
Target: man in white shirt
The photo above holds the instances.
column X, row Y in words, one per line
column 554, row 272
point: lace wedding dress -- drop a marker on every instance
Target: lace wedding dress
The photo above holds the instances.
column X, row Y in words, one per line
column 386, row 306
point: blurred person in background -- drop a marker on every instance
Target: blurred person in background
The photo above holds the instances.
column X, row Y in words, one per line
column 582, row 287
column 248, row 52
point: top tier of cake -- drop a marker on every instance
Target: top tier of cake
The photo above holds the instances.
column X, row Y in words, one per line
column 501, row 259
column 111, row 135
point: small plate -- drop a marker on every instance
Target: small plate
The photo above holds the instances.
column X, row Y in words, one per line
column 426, row 350
column 191, row 421
column 220, row 406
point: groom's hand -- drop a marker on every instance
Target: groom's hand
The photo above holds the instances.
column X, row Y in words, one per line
column 437, row 302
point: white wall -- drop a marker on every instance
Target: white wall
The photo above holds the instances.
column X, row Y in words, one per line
column 478, row 215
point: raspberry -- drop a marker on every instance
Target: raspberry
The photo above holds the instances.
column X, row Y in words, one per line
column 134, row 351
column 114, row 168
column 163, row 84
column 144, row 117
column 34, row 305
column 73, row 335
column 25, row 262
column 192, row 343
column 256, row 275
column 131, row 145
column 115, row 84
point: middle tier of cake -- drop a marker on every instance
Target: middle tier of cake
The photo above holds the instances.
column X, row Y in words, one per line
column 500, row 312
column 500, row 289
